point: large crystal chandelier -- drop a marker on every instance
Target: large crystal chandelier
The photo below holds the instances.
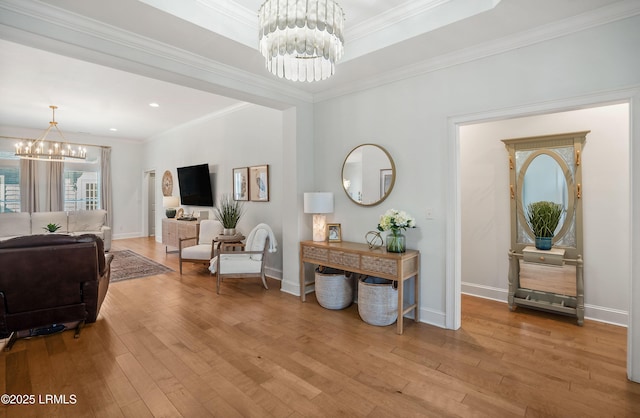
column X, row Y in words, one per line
column 301, row 40
column 43, row 149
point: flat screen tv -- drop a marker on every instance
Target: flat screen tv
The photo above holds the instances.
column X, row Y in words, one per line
column 195, row 185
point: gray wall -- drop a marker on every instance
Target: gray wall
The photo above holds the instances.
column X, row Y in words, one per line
column 413, row 118
column 247, row 136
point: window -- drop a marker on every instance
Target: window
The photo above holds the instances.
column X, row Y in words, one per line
column 91, row 196
column 9, row 185
column 81, row 191
column 81, row 180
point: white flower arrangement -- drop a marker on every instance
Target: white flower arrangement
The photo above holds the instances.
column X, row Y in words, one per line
column 395, row 220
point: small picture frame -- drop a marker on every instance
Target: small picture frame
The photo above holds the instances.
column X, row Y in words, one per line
column 241, row 183
column 259, row 183
column 386, row 179
column 334, row 232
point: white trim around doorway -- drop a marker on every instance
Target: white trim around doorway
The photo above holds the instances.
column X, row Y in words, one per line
column 453, row 286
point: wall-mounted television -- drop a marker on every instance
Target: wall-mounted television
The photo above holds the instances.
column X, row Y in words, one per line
column 195, row 185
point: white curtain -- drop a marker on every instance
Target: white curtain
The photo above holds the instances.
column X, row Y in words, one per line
column 41, row 176
column 54, row 187
column 105, row 185
column 42, row 185
column 28, row 186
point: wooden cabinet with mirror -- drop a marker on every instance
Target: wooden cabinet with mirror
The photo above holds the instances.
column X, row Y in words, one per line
column 547, row 169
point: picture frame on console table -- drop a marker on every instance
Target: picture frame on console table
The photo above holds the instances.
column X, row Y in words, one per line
column 241, row 183
column 334, row 232
column 259, row 183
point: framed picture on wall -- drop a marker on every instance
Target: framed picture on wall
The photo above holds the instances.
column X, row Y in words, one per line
column 334, row 232
column 386, row 177
column 259, row 183
column 241, row 183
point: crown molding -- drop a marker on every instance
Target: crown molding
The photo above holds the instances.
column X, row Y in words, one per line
column 574, row 24
column 391, row 17
column 394, row 25
column 34, row 19
column 52, row 23
column 410, row 19
column 234, row 10
column 227, row 18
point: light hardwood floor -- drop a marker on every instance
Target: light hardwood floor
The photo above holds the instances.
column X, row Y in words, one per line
column 169, row 346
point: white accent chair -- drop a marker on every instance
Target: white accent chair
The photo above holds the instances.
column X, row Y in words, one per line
column 249, row 261
column 203, row 252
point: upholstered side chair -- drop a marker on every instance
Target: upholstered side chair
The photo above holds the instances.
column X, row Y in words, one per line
column 203, row 252
column 245, row 260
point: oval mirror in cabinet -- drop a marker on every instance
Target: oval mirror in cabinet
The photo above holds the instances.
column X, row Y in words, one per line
column 547, row 169
column 368, row 174
column 546, row 176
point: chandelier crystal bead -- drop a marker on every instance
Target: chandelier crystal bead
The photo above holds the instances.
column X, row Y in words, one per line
column 301, row 40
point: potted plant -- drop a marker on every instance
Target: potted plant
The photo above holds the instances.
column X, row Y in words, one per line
column 228, row 212
column 543, row 218
column 51, row 227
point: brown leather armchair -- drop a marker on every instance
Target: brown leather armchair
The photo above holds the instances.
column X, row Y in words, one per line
column 47, row 281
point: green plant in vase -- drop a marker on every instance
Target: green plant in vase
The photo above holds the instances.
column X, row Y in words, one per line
column 228, row 212
column 543, row 218
column 51, row 227
column 396, row 221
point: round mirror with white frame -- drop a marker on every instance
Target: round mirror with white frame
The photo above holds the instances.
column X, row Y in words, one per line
column 368, row 174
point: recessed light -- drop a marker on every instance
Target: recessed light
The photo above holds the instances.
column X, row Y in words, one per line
column 113, row 129
column 154, row 104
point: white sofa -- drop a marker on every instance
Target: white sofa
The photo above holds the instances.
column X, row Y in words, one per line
column 15, row 224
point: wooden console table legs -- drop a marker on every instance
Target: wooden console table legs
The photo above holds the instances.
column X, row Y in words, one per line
column 402, row 311
column 359, row 258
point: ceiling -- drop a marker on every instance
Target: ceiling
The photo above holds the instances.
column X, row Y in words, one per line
column 102, row 63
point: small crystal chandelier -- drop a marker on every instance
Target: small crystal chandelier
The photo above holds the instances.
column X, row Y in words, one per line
column 41, row 149
column 301, row 40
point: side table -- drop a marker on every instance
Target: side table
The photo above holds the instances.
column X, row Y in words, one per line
column 229, row 239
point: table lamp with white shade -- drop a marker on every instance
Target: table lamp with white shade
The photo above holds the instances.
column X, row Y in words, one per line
column 170, row 203
column 318, row 203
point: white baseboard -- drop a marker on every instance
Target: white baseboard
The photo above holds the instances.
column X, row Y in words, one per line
column 127, row 235
column 290, row 287
column 273, row 273
column 607, row 315
column 486, row 292
column 431, row 317
column 592, row 312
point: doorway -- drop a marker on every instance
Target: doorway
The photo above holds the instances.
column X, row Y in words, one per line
column 152, row 204
column 485, row 211
column 149, row 203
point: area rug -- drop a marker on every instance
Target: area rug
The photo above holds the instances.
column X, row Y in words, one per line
column 128, row 265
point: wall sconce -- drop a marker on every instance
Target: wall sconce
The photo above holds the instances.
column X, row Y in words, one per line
column 318, row 203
